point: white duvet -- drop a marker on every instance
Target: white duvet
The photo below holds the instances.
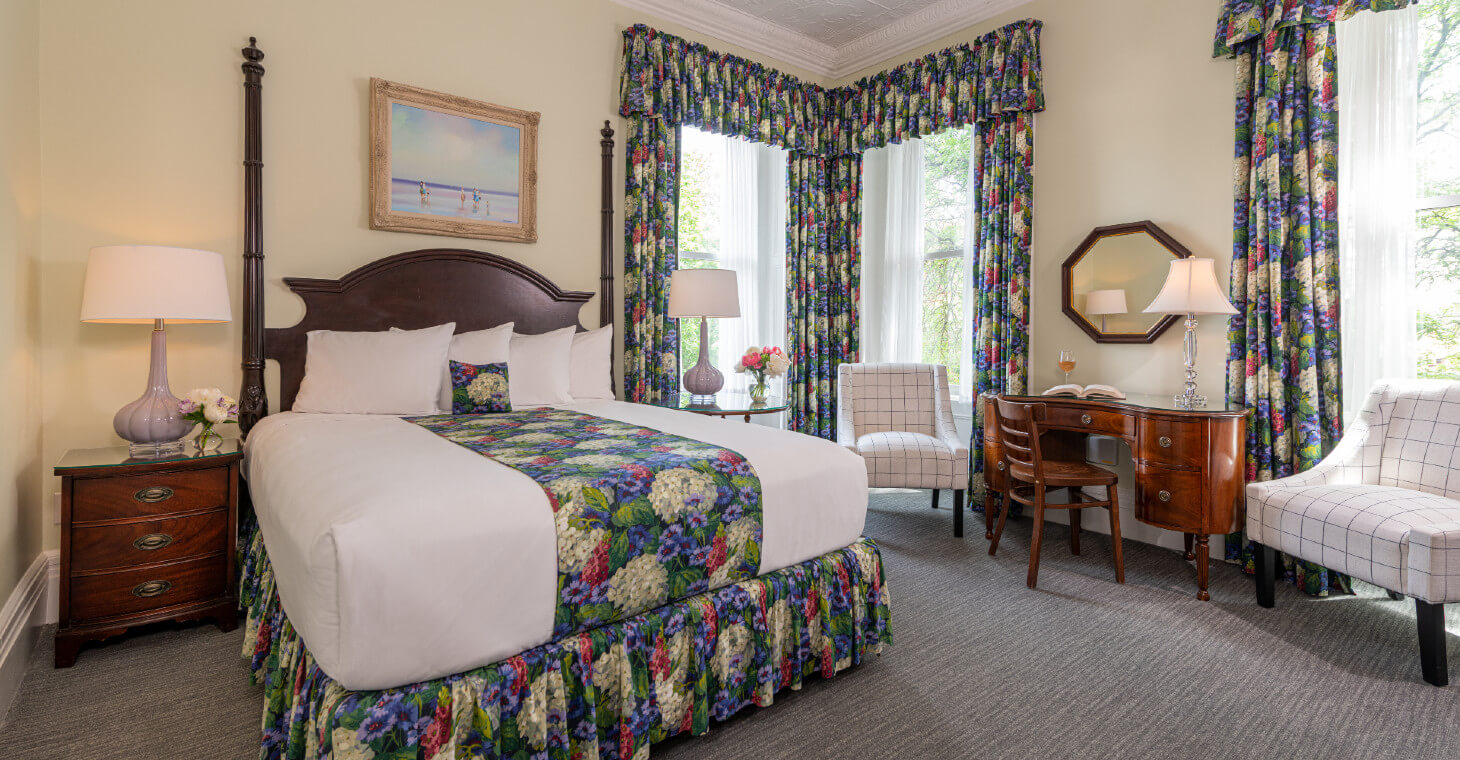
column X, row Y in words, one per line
column 401, row 556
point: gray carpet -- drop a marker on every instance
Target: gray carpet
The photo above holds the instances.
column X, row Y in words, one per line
column 982, row 667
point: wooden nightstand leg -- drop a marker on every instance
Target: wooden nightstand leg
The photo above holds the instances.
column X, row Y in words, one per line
column 66, row 649
column 1188, row 538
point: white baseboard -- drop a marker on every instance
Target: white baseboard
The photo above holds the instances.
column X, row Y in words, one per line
column 32, row 604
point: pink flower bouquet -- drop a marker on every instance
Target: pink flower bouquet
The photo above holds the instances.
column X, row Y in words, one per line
column 763, row 363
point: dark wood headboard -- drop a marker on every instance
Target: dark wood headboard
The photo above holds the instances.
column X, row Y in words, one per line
column 474, row 289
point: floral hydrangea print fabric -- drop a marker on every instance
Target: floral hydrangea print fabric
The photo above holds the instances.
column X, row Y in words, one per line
column 1283, row 360
column 606, row 693
column 643, row 517
column 479, row 388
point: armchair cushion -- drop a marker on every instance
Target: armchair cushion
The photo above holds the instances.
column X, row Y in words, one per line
column 897, row 459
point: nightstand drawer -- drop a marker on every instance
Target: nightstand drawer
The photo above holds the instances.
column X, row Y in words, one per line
column 102, row 547
column 126, row 592
column 153, row 494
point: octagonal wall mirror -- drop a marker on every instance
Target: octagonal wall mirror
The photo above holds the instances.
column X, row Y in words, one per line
column 1113, row 275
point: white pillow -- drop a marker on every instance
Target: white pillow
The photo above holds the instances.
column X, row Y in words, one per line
column 489, row 346
column 538, row 368
column 591, row 371
column 373, row 372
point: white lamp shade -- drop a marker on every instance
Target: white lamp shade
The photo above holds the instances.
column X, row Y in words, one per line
column 137, row 284
column 1105, row 302
column 1191, row 288
column 703, row 293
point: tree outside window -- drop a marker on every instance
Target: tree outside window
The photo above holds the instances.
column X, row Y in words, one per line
column 1437, row 249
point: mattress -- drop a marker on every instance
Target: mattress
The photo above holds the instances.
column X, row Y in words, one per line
column 402, row 557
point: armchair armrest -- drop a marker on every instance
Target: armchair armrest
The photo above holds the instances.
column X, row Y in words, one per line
column 846, row 426
column 947, row 431
column 1354, row 461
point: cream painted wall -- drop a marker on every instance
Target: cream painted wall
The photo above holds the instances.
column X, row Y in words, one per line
column 141, row 112
column 20, row 438
column 1138, row 125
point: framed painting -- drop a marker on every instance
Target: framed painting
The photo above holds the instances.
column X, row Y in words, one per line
column 446, row 165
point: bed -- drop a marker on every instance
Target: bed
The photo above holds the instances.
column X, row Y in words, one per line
column 405, row 591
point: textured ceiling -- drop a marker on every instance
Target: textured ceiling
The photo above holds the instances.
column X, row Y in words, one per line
column 835, row 22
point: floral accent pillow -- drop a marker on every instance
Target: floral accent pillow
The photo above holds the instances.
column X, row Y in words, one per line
column 479, row 388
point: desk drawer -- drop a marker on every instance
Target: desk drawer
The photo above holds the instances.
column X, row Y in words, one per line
column 1177, row 443
column 100, row 547
column 128, row 592
column 1169, row 498
column 1101, row 421
column 144, row 495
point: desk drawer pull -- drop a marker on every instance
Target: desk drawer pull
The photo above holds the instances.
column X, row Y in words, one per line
column 1165, row 441
column 153, row 494
column 1164, row 495
column 151, row 588
column 152, row 541
column 1085, row 418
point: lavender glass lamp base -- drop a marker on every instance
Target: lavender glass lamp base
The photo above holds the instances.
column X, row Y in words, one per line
column 153, row 425
column 703, row 381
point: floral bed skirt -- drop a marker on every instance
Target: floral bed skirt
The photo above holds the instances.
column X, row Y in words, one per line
column 608, row 693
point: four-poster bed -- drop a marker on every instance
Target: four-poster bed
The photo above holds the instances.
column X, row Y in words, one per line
column 491, row 605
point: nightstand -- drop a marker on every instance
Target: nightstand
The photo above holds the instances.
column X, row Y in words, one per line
column 145, row 541
column 726, row 404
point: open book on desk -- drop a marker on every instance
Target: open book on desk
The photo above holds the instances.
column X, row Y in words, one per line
column 1093, row 390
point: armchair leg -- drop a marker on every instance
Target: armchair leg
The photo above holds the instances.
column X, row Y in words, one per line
column 1266, row 562
column 1395, row 595
column 957, row 512
column 935, row 498
column 1431, row 620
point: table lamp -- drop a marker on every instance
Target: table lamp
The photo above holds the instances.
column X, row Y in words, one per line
column 1102, row 302
column 153, row 284
column 703, row 293
column 1191, row 288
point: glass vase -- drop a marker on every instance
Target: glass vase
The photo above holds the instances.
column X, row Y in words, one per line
column 760, row 391
column 208, row 439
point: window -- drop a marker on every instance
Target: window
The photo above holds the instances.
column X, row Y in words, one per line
column 1437, row 223
column 732, row 215
column 945, row 235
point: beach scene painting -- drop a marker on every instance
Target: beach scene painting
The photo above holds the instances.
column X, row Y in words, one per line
column 451, row 166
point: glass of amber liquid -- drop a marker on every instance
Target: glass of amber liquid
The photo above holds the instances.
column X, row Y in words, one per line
column 1067, row 364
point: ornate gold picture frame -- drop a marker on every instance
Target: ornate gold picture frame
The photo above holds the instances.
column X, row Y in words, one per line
column 446, row 165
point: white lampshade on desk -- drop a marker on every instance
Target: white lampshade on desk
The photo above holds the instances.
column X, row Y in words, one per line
column 1191, row 288
column 1103, row 302
column 703, row 293
column 153, row 284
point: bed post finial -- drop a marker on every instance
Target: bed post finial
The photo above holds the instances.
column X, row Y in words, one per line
column 605, row 234
column 252, row 401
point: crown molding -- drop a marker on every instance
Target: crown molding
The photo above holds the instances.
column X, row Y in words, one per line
column 740, row 28
column 832, row 61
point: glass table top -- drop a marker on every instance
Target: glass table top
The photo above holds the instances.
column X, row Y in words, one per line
column 113, row 456
column 1165, row 402
column 726, row 402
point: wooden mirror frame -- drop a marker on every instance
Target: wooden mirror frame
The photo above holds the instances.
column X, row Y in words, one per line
column 1067, row 299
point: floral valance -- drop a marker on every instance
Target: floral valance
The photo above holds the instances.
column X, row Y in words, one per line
column 685, row 82
column 1243, row 20
column 998, row 73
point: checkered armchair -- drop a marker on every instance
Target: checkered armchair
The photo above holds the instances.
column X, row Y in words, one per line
column 899, row 418
column 1384, row 507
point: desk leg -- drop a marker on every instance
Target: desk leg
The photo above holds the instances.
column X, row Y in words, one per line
column 1188, row 556
column 1202, row 557
column 991, row 504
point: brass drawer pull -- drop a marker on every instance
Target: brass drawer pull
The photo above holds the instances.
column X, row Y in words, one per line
column 152, row 588
column 152, row 541
column 1000, row 465
column 1085, row 418
column 1164, row 496
column 153, row 494
column 1165, row 441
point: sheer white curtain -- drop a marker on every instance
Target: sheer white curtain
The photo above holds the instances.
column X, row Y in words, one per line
column 753, row 243
column 1378, row 66
column 892, row 253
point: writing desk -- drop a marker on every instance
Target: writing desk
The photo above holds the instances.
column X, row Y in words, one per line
column 1189, row 465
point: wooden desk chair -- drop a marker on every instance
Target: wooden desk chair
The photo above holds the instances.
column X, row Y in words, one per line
column 1031, row 477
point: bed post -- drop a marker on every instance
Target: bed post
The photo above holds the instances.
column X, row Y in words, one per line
column 253, row 403
column 605, row 243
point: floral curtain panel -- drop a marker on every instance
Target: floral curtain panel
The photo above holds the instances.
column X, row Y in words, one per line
column 1283, row 361
column 651, row 202
column 992, row 79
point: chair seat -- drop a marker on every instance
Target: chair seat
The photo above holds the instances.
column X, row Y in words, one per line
column 1397, row 538
column 900, row 459
column 1064, row 474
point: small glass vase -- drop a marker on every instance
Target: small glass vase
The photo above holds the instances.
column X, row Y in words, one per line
column 208, row 439
column 760, row 391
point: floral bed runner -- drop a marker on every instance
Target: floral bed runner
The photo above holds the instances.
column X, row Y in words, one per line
column 643, row 517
